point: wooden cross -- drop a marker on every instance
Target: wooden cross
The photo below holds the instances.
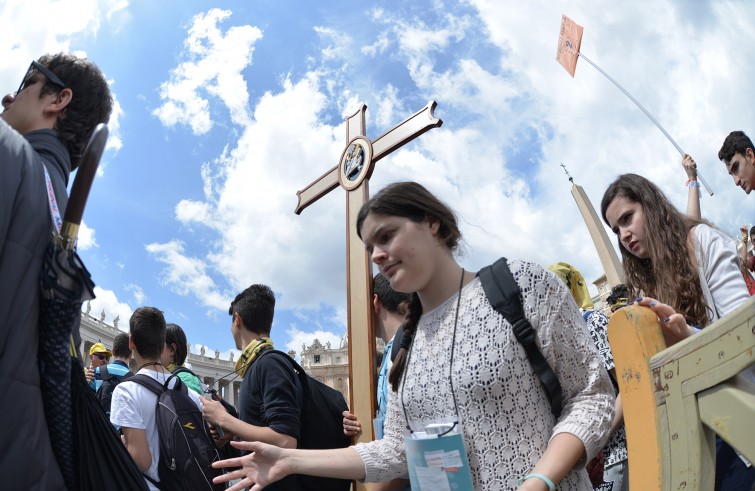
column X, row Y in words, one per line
column 352, row 173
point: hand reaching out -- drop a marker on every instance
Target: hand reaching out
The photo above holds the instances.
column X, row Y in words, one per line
column 264, row 464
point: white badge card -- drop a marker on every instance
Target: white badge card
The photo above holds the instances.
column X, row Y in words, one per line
column 437, row 459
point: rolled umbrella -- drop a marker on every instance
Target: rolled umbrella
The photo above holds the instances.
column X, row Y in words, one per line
column 65, row 283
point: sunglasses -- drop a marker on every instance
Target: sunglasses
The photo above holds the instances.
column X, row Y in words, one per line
column 101, row 357
column 35, row 67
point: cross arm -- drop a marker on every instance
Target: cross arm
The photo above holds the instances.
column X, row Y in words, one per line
column 406, row 131
column 319, row 188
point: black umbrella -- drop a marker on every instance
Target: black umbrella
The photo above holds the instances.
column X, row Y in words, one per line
column 65, row 284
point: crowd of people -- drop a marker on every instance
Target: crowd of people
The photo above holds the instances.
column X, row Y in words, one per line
column 452, row 368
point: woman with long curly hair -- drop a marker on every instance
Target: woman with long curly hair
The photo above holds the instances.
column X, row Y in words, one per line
column 688, row 267
column 460, row 360
column 686, row 271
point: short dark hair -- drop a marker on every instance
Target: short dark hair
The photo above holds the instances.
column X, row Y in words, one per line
column 147, row 326
column 389, row 298
column 256, row 307
column 120, row 346
column 175, row 335
column 90, row 105
column 736, row 142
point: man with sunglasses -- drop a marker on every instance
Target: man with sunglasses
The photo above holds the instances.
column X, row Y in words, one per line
column 45, row 125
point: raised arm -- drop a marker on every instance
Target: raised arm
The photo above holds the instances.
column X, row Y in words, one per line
column 693, row 195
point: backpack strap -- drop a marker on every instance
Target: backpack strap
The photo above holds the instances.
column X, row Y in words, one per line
column 105, row 373
column 504, row 295
column 156, row 387
column 183, row 370
column 148, row 382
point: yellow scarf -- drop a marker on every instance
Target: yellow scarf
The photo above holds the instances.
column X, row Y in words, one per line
column 250, row 353
column 575, row 283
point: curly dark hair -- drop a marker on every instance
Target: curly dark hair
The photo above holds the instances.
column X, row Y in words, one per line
column 670, row 273
column 91, row 102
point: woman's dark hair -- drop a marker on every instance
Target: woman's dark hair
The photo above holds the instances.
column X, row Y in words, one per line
column 411, row 200
column 670, row 273
column 175, row 335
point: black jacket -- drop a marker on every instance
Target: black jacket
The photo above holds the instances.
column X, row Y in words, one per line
column 26, row 458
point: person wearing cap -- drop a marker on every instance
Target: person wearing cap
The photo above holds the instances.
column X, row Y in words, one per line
column 98, row 356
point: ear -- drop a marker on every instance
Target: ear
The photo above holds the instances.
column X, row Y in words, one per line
column 60, row 102
column 131, row 343
column 376, row 305
column 433, row 224
column 750, row 154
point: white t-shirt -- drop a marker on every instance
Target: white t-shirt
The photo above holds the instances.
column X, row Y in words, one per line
column 133, row 406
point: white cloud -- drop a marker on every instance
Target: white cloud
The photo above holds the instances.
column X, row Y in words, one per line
column 137, row 292
column 107, row 302
column 213, row 67
column 86, row 238
column 187, row 275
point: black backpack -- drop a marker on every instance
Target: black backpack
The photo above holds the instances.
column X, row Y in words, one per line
column 109, row 383
column 321, row 423
column 187, row 450
column 503, row 294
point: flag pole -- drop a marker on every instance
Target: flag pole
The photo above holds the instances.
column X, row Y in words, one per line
column 699, row 176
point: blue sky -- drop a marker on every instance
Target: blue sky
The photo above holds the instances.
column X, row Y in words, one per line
column 225, row 109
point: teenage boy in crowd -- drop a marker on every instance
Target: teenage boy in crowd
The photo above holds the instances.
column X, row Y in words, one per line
column 133, row 405
column 738, row 155
column 45, row 124
column 271, row 396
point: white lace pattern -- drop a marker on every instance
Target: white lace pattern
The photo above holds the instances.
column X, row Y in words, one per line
column 505, row 414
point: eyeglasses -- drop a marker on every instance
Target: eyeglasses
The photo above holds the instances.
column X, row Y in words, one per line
column 101, row 357
column 38, row 67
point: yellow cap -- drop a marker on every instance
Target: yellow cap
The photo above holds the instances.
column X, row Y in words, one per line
column 99, row 348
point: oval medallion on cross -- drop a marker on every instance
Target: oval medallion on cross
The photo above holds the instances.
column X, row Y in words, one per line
column 356, row 163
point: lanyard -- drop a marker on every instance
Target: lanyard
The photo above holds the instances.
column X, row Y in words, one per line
column 54, row 211
column 451, row 364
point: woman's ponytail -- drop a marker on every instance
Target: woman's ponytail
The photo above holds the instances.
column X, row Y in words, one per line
column 413, row 314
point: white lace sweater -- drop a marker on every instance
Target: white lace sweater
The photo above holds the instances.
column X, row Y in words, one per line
column 505, row 414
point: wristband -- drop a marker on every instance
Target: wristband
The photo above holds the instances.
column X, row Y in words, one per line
column 545, row 479
column 692, row 183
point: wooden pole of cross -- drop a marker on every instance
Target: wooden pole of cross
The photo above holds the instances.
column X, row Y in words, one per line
column 353, row 173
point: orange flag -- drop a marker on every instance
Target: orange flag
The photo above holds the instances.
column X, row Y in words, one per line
column 569, row 41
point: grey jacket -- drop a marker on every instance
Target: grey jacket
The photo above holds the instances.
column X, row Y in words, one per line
column 26, row 458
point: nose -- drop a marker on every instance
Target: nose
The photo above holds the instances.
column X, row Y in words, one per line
column 8, row 100
column 378, row 255
column 737, row 180
column 624, row 235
